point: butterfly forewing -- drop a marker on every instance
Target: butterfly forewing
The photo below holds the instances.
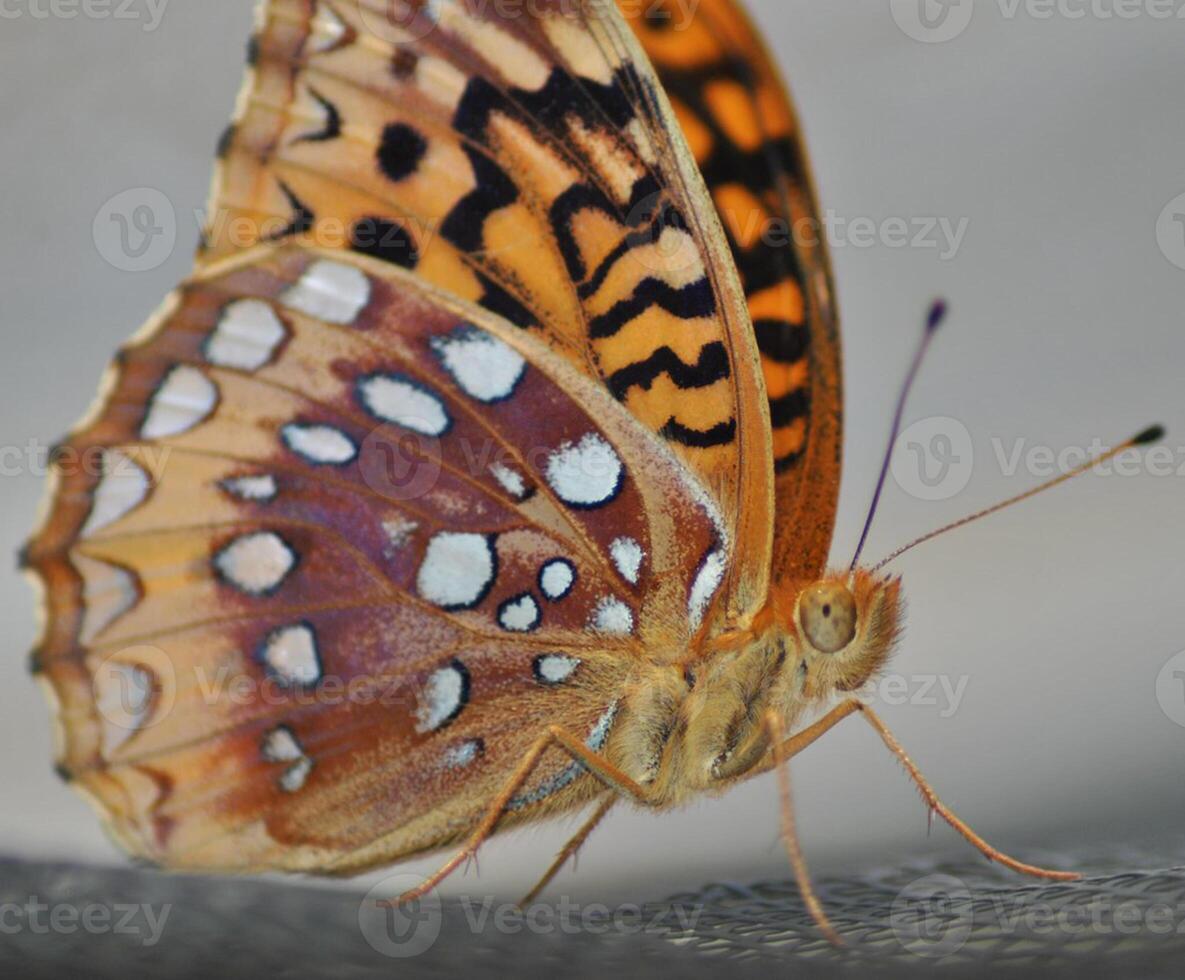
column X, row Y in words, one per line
column 521, row 157
column 345, row 549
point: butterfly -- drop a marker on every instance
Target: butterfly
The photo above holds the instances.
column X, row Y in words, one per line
column 485, row 468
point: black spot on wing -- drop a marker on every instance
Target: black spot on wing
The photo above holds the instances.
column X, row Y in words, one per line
column 400, row 151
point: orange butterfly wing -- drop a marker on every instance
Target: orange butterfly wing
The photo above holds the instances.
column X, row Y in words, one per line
column 737, row 116
column 271, row 647
column 523, row 160
column 228, row 529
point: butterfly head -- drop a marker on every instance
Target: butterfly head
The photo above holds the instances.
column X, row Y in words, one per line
column 845, row 628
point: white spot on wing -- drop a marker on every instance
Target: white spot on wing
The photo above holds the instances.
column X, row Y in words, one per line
column 328, row 29
column 555, row 668
column 405, row 403
column 443, row 697
column 399, row 531
column 465, row 754
column 296, row 775
column 253, row 488
column 457, row 571
column 587, row 474
column 256, row 563
column 627, row 556
column 321, row 444
column 557, row 578
column 614, row 617
column 246, row 337
column 122, row 488
column 483, row 366
column 185, row 398
column 291, row 655
column 513, row 483
column 330, row 291
column 519, row 615
column 707, row 581
column 280, row 745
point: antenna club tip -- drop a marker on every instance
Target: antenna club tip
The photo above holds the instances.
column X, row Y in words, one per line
column 1152, row 434
column 937, row 314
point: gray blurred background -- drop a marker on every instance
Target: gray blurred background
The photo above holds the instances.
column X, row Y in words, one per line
column 1056, row 144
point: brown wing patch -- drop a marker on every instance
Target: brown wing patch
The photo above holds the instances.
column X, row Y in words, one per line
column 342, row 551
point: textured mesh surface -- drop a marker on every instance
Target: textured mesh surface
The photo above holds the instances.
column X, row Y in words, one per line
column 918, row 920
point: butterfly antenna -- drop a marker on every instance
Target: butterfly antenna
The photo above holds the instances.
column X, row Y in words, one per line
column 1153, row 434
column 933, row 322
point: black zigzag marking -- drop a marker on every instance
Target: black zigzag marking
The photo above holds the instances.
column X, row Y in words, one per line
column 303, row 218
column 333, row 121
column 577, row 198
column 562, row 95
column 692, row 301
column 712, row 366
column 465, row 224
column 789, row 408
column 497, row 300
column 718, row 435
column 668, row 216
column 772, row 259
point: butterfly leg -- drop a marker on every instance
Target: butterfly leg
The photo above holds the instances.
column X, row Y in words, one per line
column 570, row 849
column 937, row 806
column 777, row 735
column 808, row 736
column 596, row 764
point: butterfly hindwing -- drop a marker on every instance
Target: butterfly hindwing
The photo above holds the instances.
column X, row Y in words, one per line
column 523, row 158
column 736, row 114
column 342, row 550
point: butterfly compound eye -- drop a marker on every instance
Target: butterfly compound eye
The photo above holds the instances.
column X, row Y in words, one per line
column 828, row 614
